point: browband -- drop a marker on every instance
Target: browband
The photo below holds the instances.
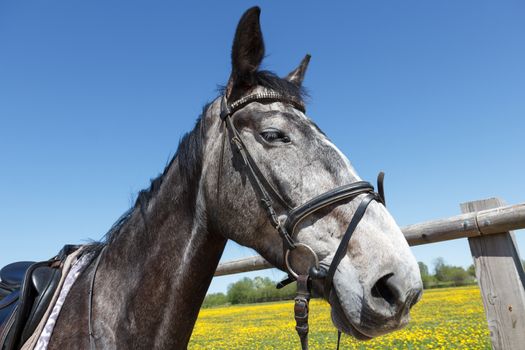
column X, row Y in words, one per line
column 228, row 109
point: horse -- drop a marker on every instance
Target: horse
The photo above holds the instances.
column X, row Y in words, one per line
column 252, row 159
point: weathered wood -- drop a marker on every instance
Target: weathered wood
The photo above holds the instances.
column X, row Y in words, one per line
column 442, row 230
column 500, row 277
column 484, row 222
column 505, row 218
column 467, row 225
column 242, row 265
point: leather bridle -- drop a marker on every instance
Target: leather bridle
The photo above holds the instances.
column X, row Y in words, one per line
column 294, row 215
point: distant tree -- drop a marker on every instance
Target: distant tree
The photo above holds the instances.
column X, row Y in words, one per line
column 423, row 269
column 259, row 289
column 215, row 299
column 241, row 291
column 438, row 264
column 458, row 275
column 455, row 275
column 265, row 289
column 472, row 270
column 426, row 277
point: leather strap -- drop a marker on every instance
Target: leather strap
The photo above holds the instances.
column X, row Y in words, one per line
column 380, row 187
column 263, row 97
column 301, row 309
column 261, row 185
column 343, row 246
column 331, row 197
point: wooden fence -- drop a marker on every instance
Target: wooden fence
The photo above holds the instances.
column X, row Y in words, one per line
column 488, row 225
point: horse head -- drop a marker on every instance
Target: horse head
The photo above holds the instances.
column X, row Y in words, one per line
column 272, row 154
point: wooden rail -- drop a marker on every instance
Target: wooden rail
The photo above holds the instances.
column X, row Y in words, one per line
column 474, row 224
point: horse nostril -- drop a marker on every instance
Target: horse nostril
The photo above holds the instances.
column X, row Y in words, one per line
column 386, row 289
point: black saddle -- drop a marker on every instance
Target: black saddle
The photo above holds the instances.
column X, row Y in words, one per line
column 26, row 289
column 11, row 277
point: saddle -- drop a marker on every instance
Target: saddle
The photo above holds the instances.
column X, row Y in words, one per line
column 26, row 289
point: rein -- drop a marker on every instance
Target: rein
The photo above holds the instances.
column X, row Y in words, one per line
column 295, row 215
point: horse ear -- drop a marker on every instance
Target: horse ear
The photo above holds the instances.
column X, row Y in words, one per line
column 247, row 53
column 297, row 75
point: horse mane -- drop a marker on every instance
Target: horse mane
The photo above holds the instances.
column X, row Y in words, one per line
column 190, row 156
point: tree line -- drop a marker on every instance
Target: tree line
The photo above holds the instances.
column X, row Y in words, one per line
column 247, row 290
column 446, row 275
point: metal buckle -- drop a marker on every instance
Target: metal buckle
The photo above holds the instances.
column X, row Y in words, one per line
column 287, row 256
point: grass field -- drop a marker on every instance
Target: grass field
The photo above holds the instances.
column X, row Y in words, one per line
column 451, row 318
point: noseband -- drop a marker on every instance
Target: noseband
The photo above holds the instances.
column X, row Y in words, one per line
column 295, row 215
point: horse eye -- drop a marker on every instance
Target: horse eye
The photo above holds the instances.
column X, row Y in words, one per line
column 275, row 135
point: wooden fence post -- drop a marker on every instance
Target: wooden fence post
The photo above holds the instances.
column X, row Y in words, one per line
column 501, row 280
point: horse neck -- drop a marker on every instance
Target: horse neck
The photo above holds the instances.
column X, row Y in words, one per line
column 162, row 261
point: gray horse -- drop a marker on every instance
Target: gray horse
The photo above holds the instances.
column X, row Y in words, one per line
column 159, row 259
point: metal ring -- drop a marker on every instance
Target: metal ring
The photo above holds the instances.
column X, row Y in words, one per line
column 287, row 263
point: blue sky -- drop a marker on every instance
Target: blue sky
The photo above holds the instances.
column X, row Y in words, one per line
column 94, row 97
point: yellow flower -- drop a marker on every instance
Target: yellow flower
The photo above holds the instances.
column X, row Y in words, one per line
column 451, row 318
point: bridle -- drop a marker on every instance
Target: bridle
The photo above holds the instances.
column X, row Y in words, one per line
column 294, row 215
